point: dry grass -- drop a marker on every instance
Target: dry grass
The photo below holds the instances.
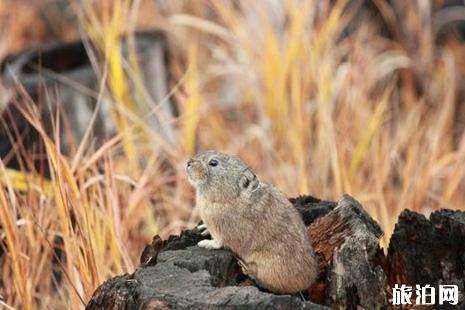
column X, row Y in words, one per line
column 312, row 107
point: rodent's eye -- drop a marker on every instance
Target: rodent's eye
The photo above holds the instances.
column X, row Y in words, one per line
column 213, row 162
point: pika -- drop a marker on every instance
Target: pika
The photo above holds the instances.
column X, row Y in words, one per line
column 254, row 220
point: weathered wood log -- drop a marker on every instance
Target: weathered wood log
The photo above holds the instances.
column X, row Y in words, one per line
column 347, row 242
column 63, row 77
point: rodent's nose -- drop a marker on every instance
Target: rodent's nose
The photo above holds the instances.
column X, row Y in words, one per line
column 189, row 163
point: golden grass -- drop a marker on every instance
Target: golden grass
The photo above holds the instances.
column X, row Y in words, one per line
column 314, row 110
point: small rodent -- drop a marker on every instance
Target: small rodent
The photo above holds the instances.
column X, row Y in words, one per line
column 253, row 219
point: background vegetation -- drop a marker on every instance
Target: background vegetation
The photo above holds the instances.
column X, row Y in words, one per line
column 319, row 97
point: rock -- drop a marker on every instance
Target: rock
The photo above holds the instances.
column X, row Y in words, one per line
column 220, row 264
column 176, row 274
column 185, row 289
column 423, row 251
column 191, row 278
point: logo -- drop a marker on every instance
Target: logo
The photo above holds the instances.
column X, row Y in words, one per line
column 425, row 295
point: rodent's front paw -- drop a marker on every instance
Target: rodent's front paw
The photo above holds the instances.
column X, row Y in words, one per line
column 210, row 244
column 203, row 229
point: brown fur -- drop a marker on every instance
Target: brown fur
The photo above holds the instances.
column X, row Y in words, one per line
column 255, row 220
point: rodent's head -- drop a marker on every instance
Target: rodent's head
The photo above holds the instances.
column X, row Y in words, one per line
column 220, row 177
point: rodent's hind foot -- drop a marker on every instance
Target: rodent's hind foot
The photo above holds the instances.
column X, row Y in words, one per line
column 203, row 229
column 242, row 265
column 248, row 269
column 210, row 244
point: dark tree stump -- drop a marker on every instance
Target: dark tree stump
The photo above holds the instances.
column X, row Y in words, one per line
column 116, row 293
column 423, row 251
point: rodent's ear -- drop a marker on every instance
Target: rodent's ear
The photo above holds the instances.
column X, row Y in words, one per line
column 248, row 180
